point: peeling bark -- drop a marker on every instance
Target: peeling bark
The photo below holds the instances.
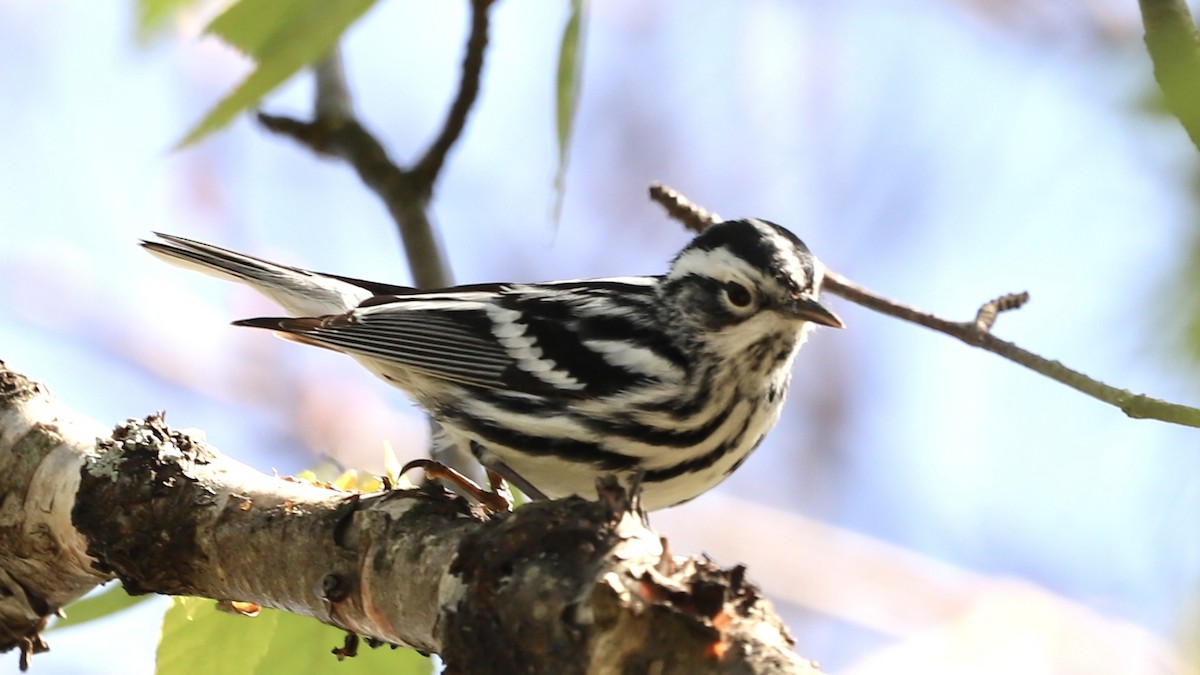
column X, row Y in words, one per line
column 43, row 560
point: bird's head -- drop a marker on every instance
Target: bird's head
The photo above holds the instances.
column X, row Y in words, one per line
column 742, row 282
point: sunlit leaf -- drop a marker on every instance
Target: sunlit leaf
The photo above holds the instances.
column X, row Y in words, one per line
column 392, row 465
column 253, row 25
column 105, row 603
column 282, row 36
column 302, row 645
column 570, row 72
column 348, row 480
column 153, row 15
column 196, row 637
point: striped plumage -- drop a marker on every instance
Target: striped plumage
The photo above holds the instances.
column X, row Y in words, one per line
column 677, row 376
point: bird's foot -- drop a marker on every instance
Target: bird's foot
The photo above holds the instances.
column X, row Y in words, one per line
column 499, row 500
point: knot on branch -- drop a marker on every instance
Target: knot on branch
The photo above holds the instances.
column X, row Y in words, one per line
column 985, row 318
column 143, row 462
column 149, row 440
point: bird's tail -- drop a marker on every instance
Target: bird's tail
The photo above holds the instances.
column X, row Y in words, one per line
column 300, row 292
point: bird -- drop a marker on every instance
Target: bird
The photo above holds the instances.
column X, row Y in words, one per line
column 667, row 380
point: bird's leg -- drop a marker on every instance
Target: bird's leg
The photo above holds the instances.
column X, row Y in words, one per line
column 498, row 501
column 499, row 486
column 505, row 472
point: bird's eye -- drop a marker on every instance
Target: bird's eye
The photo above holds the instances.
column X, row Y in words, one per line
column 739, row 295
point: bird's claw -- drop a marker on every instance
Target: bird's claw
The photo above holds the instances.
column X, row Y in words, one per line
column 499, row 500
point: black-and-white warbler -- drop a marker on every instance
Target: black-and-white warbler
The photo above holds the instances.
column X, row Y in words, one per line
column 677, row 377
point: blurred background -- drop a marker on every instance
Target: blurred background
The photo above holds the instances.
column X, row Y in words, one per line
column 921, row 506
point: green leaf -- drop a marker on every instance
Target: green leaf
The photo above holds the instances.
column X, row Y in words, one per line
column 282, row 36
column 196, row 637
column 302, row 645
column 153, row 15
column 254, row 25
column 570, row 72
column 105, row 603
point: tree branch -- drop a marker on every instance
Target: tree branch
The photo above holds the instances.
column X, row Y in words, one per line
column 1174, row 48
column 555, row 587
column 976, row 333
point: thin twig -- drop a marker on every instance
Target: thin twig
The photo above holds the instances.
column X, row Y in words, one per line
column 332, row 97
column 681, row 208
column 426, row 170
column 1135, row 405
column 976, row 333
column 1174, row 48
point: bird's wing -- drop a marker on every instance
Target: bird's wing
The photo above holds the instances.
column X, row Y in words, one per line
column 454, row 345
column 567, row 339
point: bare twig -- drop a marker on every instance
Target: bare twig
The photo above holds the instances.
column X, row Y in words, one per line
column 976, row 333
column 1174, row 48
column 426, row 170
column 681, row 208
column 332, row 97
column 1135, row 405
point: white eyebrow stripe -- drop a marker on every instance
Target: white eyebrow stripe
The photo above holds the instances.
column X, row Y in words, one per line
column 791, row 261
column 710, row 263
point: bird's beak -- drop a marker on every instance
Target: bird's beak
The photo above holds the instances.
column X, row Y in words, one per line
column 807, row 308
